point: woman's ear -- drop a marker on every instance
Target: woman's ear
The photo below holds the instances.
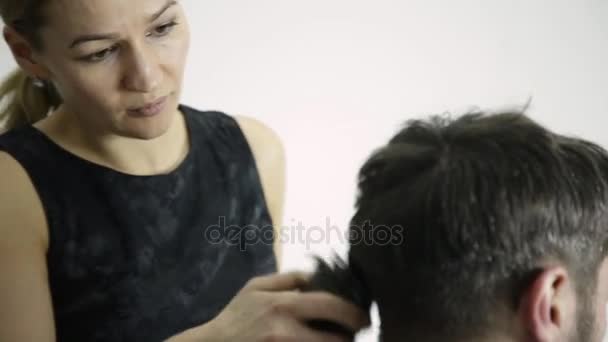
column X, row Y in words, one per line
column 24, row 54
column 548, row 308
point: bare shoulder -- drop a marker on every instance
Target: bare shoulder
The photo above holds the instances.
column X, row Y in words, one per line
column 20, row 206
column 269, row 157
column 268, row 152
column 25, row 292
column 264, row 141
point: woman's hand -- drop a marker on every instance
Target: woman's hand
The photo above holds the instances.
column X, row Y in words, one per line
column 270, row 308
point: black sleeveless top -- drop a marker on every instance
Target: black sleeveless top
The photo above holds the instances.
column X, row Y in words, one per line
column 142, row 258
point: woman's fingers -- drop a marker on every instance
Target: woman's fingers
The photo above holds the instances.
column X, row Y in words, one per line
column 279, row 282
column 271, row 308
column 325, row 306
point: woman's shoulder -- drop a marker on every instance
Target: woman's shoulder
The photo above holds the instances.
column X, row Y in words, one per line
column 206, row 117
column 263, row 140
column 23, row 246
column 24, row 166
column 10, row 169
column 20, row 205
column 256, row 131
column 14, row 135
column 269, row 155
column 15, row 181
column 13, row 147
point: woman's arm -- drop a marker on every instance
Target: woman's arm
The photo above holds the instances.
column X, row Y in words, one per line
column 270, row 160
column 26, row 313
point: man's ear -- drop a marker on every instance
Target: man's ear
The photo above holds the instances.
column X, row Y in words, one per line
column 24, row 54
column 548, row 307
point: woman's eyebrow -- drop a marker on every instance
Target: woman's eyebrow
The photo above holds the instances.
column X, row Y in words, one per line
column 109, row 36
column 92, row 37
column 156, row 15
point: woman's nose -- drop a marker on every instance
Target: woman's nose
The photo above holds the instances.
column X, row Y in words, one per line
column 142, row 73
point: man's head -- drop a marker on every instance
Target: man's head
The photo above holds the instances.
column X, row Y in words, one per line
column 504, row 229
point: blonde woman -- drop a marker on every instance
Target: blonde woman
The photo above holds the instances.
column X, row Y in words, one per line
column 126, row 216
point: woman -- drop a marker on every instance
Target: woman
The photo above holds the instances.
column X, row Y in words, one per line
column 110, row 188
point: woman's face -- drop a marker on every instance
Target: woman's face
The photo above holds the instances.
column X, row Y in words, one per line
column 118, row 64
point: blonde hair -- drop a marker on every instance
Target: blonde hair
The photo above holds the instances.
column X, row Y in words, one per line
column 23, row 100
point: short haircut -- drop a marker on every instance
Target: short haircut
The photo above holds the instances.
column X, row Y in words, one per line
column 482, row 202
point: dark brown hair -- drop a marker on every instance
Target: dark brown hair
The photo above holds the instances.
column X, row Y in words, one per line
column 483, row 201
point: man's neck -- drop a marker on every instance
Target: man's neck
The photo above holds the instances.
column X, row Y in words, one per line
column 428, row 337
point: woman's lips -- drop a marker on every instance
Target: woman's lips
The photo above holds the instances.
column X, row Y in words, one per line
column 150, row 109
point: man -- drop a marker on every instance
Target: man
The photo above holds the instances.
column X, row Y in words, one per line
column 504, row 229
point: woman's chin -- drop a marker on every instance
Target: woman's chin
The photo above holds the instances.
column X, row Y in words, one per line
column 148, row 128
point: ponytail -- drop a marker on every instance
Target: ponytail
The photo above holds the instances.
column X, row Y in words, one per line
column 24, row 102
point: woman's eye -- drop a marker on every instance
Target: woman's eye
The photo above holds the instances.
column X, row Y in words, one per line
column 164, row 29
column 101, row 55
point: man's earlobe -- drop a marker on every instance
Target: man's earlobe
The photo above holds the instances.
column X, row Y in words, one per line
column 548, row 306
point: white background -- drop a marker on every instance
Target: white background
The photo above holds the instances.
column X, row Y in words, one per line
column 335, row 78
